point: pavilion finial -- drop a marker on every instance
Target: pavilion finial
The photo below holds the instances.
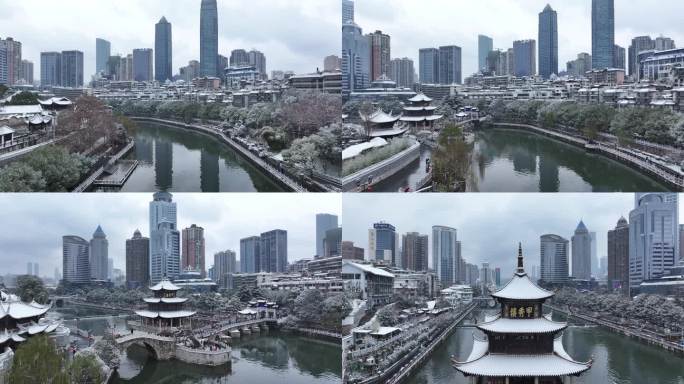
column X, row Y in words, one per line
column 521, row 269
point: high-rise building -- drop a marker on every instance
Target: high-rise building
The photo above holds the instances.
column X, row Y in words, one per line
column 355, row 59
column 224, row 264
column 618, row 257
column 163, row 51
column 602, row 33
column 351, row 252
column 164, row 238
column 324, row 222
column 446, row 255
column 380, row 54
column 548, row 42
column 485, row 44
column 103, row 50
column 209, row 38
column 639, row 44
column 402, row 72
column 273, row 251
column 580, row 66
column 110, row 268
column 137, row 261
column 653, row 237
column 12, row 50
column 332, row 63
column 450, row 65
column 581, row 253
column 99, row 255
column 27, row 71
column 3, row 65
column 258, row 61
column 554, row 259
column 75, row 260
column 142, row 64
column 50, row 69
column 497, row 276
column 525, row 52
column 620, row 58
column 332, row 243
column 681, row 243
column 239, row 58
column 486, row 275
column 415, row 252
column 191, row 71
column 428, row 65
column 192, row 250
column 382, row 244
column 664, row 44
column 29, row 268
column 347, row 11
column 72, row 69
column 250, row 261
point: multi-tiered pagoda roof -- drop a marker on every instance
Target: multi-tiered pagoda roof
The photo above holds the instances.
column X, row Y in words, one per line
column 520, row 343
column 165, row 309
column 20, row 320
column 420, row 112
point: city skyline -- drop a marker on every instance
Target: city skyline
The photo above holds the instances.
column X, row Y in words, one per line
column 301, row 49
column 226, row 220
column 493, row 18
column 489, row 225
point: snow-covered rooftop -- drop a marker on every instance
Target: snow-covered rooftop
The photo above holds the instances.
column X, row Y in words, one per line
column 420, row 98
column 539, row 325
column 380, row 117
column 170, row 300
column 357, row 149
column 12, row 306
column 164, row 314
column 369, row 269
column 521, row 287
column 165, row 285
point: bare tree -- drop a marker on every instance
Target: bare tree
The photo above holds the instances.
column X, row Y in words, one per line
column 87, row 126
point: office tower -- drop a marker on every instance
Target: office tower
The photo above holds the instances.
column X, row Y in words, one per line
column 653, row 237
column 664, row 43
column 580, row 66
column 103, row 50
column 191, row 71
column 450, row 66
column 137, row 261
column 12, row 53
column 428, row 66
column 618, row 257
column 164, row 238
column 581, row 253
column 3, row 64
column 142, row 64
column 223, row 64
column 553, row 259
column 355, row 59
column 273, row 251
column 250, row 261
column 380, row 54
column 209, row 38
column 258, row 61
column 620, row 58
column 351, row 252
column 382, row 243
column 72, row 69
column 681, row 243
column 602, row 33
column 525, row 52
column 163, row 51
column 324, row 222
column 402, row 72
column 75, row 260
column 27, row 71
column 414, row 252
column 332, row 63
column 110, row 268
column 50, row 69
column 192, row 250
column 29, row 268
column 639, row 44
column 99, row 255
column 224, row 264
column 497, row 276
column 332, row 243
column 548, row 42
column 239, row 58
column 446, row 255
column 347, row 11
column 485, row 275
column 594, row 255
column 485, row 44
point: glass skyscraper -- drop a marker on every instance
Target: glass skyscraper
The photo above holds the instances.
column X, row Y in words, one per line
column 428, row 66
column 548, row 42
column 103, row 50
column 485, row 44
column 525, row 57
column 209, row 38
column 163, row 51
column 602, row 33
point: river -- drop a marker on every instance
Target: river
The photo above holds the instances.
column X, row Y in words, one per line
column 617, row 359
column 267, row 358
column 179, row 160
column 506, row 160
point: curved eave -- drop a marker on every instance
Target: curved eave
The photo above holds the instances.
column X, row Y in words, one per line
column 520, row 287
column 19, row 310
column 541, row 325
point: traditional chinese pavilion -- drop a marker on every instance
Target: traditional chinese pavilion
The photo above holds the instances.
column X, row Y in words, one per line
column 383, row 124
column 521, row 345
column 165, row 310
column 420, row 114
column 20, row 320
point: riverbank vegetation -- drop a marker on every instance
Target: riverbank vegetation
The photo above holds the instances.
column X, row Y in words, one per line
column 451, row 160
column 661, row 126
column 374, row 156
column 49, row 169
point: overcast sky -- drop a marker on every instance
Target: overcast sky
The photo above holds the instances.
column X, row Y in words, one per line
column 33, row 224
column 430, row 23
column 490, row 226
column 293, row 34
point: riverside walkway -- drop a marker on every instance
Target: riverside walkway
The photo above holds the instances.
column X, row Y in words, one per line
column 98, row 172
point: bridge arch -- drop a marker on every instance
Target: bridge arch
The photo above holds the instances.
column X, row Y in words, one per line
column 157, row 347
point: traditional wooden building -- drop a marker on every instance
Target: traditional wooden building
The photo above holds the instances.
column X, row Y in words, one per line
column 20, row 320
column 384, row 125
column 165, row 310
column 420, row 113
column 521, row 345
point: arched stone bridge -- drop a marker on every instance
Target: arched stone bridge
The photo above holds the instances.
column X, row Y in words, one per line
column 161, row 348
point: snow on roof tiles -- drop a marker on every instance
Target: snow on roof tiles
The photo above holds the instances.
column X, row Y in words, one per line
column 520, row 287
column 539, row 325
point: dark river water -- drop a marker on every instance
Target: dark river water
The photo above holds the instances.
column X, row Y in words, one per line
column 179, row 160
